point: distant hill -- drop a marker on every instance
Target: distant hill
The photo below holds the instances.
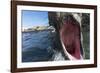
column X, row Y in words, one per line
column 38, row 28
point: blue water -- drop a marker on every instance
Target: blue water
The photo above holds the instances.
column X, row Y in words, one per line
column 37, row 46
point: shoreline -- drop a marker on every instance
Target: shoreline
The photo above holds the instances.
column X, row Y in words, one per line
column 36, row 30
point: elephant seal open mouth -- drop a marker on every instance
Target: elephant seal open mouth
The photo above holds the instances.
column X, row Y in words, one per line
column 71, row 38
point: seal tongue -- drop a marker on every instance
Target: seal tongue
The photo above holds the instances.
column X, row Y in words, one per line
column 77, row 52
column 74, row 49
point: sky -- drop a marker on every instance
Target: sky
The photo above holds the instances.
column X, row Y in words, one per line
column 32, row 18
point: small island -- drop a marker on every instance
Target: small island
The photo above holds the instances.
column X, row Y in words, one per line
column 38, row 28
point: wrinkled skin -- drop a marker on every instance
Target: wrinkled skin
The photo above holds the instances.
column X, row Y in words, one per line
column 70, row 36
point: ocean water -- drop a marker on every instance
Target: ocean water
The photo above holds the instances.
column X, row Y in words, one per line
column 39, row 46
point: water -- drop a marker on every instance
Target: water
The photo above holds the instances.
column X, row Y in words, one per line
column 38, row 46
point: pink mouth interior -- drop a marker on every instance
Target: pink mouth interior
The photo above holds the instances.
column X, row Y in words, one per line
column 70, row 35
column 74, row 50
